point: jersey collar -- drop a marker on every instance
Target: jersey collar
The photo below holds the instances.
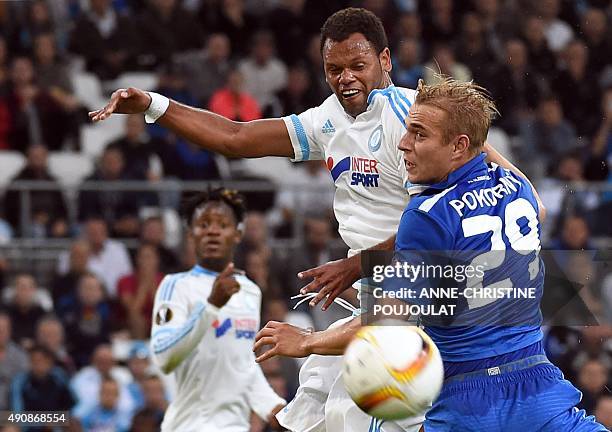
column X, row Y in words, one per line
column 198, row 269
column 472, row 167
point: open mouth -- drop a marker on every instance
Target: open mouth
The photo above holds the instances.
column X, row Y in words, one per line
column 409, row 164
column 350, row 93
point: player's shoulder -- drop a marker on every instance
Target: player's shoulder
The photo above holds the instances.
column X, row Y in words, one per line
column 171, row 284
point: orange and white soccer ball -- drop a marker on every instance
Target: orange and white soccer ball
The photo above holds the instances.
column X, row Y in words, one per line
column 392, row 372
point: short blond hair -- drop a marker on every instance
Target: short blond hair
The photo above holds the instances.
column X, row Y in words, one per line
column 468, row 106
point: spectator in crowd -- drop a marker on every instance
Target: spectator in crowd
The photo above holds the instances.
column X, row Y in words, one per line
column 546, row 137
column 145, row 421
column 118, row 208
column 409, row 27
column 107, row 40
column 35, row 116
column 578, row 89
column 439, row 25
column 595, row 30
column 264, row 74
column 153, row 232
column 592, row 381
column 603, row 410
column 166, row 28
column 25, row 310
column 66, row 284
column 233, row 102
column 473, row 48
column 206, row 71
column 291, row 26
column 87, row 318
column 314, row 65
column 229, row 17
column 138, row 365
column 107, row 415
column 540, row 57
column 407, row 68
column 44, row 387
column 255, row 238
column 297, row 97
column 137, row 291
column 515, row 87
column 50, row 334
column 443, row 62
column 87, row 382
column 108, row 259
column 316, row 199
column 155, row 401
column 139, row 151
column 574, row 235
column 558, row 33
column 554, row 192
column 47, row 215
column 37, row 20
column 13, row 360
column 5, row 115
column 53, row 77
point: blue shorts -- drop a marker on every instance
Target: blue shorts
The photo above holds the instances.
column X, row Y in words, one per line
column 536, row 398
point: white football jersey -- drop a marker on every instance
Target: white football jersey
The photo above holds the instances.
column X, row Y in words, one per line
column 363, row 159
column 210, row 353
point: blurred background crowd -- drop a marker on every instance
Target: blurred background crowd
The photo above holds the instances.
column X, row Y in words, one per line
column 88, row 220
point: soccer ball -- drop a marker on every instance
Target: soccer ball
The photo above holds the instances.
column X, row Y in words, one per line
column 392, row 371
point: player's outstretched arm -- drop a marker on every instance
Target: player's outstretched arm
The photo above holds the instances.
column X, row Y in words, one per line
column 290, row 341
column 333, row 278
column 208, row 130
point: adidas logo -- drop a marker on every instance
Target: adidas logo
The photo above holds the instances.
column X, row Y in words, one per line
column 328, row 127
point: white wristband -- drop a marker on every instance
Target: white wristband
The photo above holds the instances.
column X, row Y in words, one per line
column 157, row 108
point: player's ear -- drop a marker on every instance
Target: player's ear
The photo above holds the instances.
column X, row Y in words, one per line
column 385, row 60
column 462, row 145
column 239, row 233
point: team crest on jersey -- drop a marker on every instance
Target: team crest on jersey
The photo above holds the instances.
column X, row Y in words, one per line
column 164, row 315
column 364, row 171
column 375, row 139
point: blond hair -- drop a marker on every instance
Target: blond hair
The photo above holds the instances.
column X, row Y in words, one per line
column 468, row 106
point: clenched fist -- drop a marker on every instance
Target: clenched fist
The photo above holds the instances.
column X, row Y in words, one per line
column 224, row 288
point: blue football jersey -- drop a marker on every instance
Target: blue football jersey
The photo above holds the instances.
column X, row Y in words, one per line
column 484, row 217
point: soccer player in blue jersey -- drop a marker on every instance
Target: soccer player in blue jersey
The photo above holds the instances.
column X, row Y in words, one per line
column 497, row 376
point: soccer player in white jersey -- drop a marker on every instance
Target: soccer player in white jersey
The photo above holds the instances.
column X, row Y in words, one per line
column 204, row 323
column 356, row 131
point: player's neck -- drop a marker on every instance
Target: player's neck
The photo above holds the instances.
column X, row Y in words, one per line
column 214, row 264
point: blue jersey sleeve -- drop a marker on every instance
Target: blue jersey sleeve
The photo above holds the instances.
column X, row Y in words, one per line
column 419, row 230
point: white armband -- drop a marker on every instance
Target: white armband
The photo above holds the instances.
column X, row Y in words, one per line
column 157, row 108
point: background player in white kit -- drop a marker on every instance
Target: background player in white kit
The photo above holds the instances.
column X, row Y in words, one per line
column 204, row 323
column 356, row 130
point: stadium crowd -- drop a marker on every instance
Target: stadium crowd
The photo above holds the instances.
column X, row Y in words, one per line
column 72, row 339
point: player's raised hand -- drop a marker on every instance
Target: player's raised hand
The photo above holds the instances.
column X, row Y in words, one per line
column 224, row 287
column 331, row 279
column 286, row 340
column 123, row 101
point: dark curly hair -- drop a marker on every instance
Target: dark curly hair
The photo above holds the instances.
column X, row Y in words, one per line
column 234, row 199
column 345, row 22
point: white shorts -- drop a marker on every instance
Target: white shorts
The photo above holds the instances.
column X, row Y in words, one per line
column 321, row 403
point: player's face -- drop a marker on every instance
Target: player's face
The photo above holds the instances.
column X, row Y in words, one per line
column 215, row 233
column 353, row 69
column 428, row 158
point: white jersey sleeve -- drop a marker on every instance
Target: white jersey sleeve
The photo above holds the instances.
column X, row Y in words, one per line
column 177, row 327
column 261, row 397
column 309, row 131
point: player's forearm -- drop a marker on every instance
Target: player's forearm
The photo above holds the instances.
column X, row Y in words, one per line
column 496, row 157
column 170, row 347
column 333, row 341
column 218, row 134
